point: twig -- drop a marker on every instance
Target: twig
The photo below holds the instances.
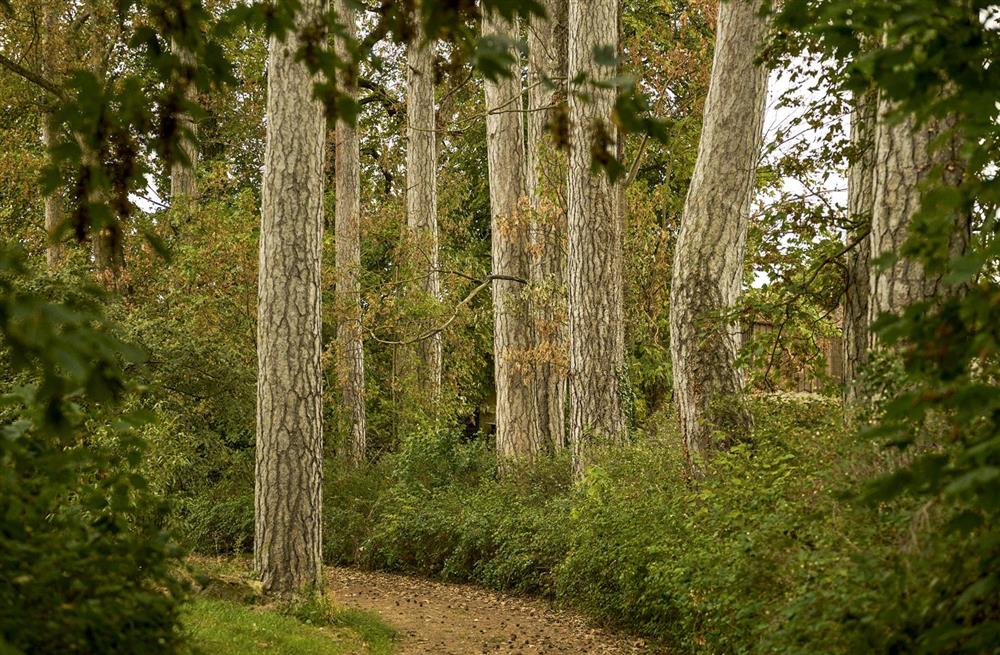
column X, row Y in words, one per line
column 151, row 201
column 453, row 90
column 451, row 319
column 638, row 160
column 774, row 348
column 812, row 278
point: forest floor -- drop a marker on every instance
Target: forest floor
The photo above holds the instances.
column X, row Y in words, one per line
column 435, row 618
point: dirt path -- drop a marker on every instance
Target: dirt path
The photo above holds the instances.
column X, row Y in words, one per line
column 435, row 618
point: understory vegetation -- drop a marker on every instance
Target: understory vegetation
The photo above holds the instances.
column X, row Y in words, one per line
column 775, row 551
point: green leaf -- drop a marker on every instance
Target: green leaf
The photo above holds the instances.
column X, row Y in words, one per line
column 158, row 245
column 605, row 56
column 971, row 481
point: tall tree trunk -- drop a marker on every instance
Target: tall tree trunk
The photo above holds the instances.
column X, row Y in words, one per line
column 596, row 337
column 860, row 198
column 546, row 175
column 904, row 159
column 53, row 203
column 183, row 172
column 108, row 251
column 350, row 343
column 53, row 208
column 106, row 241
column 421, row 192
column 708, row 261
column 517, row 422
column 288, row 483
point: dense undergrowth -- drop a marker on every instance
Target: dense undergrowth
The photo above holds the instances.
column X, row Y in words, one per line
column 85, row 564
column 770, row 553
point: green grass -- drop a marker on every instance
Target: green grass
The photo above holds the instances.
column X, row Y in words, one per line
column 220, row 627
column 377, row 636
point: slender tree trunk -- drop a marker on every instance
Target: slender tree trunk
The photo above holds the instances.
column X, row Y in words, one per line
column 183, row 172
column 517, row 422
column 53, row 202
column 350, row 343
column 596, row 354
column 106, row 241
column 288, row 489
column 53, row 209
column 860, row 198
column 421, row 192
column 109, row 254
column 546, row 175
column 904, row 160
column 708, row 262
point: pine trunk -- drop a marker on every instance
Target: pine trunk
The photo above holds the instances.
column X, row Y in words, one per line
column 421, row 193
column 288, row 489
column 904, row 159
column 107, row 246
column 350, row 338
column 596, row 337
column 53, row 208
column 183, row 171
column 53, row 203
column 517, row 424
column 546, row 176
column 860, row 198
column 709, row 257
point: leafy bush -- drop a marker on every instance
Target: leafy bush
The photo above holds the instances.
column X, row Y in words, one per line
column 768, row 554
column 219, row 518
column 84, row 565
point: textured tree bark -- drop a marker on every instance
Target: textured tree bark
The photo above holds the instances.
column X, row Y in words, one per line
column 596, row 338
column 288, row 482
column 350, row 341
column 53, row 210
column 904, row 159
column 421, row 193
column 708, row 261
column 546, row 175
column 106, row 245
column 183, row 173
column 53, row 203
column 109, row 254
column 860, row 199
column 517, row 423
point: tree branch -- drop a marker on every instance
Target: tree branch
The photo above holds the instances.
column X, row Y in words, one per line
column 451, row 319
column 834, row 258
column 32, row 77
column 638, row 160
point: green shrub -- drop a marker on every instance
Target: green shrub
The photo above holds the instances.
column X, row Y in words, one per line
column 84, row 563
column 81, row 575
column 768, row 554
column 219, row 517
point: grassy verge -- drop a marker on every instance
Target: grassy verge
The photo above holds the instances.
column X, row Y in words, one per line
column 226, row 628
column 228, row 619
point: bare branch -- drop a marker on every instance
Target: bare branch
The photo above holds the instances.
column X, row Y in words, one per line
column 451, row 319
column 638, row 160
